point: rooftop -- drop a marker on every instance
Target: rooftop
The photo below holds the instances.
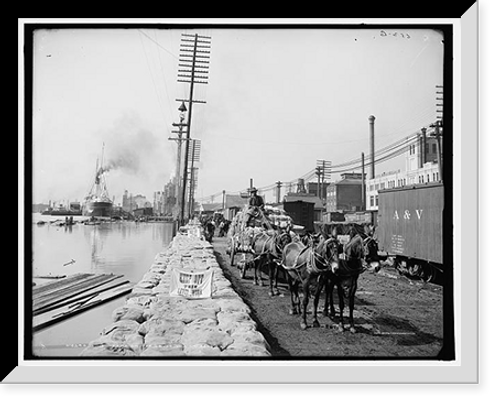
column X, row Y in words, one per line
column 304, row 197
column 235, row 200
column 351, row 176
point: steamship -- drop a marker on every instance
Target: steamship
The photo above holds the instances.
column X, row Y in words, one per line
column 97, row 202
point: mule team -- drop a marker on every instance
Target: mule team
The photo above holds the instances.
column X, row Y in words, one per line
column 314, row 260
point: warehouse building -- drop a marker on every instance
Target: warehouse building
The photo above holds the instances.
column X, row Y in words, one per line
column 346, row 194
column 422, row 166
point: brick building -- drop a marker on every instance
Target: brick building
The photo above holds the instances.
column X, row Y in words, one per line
column 345, row 194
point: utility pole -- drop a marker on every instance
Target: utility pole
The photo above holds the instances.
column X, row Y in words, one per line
column 193, row 66
column 323, row 171
column 179, row 140
column 318, row 172
column 194, row 156
column 439, row 127
column 439, row 101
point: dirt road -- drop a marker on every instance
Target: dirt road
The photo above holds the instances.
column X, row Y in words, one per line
column 395, row 318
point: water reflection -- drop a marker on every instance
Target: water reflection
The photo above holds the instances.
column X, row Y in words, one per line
column 126, row 248
column 108, row 247
column 114, row 246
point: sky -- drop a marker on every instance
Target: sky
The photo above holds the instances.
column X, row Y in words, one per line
column 278, row 100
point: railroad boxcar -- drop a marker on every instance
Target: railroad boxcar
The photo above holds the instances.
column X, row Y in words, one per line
column 410, row 228
column 301, row 212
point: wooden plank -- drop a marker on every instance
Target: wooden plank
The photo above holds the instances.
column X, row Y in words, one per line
column 51, row 277
column 60, row 285
column 58, row 292
column 84, row 294
column 62, row 296
column 58, row 289
column 59, row 296
column 62, row 288
column 42, row 288
column 58, row 315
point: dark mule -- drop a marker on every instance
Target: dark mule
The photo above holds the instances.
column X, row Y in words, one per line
column 312, row 239
column 361, row 249
column 267, row 247
column 304, row 265
column 351, row 265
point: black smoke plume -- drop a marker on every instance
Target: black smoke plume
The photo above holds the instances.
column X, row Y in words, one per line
column 130, row 147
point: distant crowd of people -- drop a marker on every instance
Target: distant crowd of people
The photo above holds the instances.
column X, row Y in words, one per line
column 214, row 223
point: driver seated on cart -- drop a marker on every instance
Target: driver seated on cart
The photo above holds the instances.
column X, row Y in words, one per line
column 255, row 206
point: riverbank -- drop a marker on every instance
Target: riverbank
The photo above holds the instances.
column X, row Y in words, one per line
column 154, row 323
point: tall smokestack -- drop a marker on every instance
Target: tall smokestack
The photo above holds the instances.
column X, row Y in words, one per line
column 371, row 120
column 424, row 146
column 363, row 195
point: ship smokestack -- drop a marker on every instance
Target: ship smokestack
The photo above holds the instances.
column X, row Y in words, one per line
column 371, row 120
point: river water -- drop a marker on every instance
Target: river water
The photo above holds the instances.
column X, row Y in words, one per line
column 126, row 248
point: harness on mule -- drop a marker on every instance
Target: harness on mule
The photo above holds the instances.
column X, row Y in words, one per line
column 312, row 258
column 295, row 265
column 270, row 237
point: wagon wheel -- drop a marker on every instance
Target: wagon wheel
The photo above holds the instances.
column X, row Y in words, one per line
column 233, row 251
column 243, row 268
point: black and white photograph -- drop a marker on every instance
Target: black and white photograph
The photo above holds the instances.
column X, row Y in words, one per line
column 240, row 192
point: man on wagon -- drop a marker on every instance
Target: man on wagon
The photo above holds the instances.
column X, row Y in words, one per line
column 255, row 206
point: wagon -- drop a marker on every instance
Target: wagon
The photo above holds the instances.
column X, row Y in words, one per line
column 240, row 242
column 410, row 228
column 240, row 236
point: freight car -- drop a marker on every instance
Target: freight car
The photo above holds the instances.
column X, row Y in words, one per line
column 301, row 212
column 410, row 229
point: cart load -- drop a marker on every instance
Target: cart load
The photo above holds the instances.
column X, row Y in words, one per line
column 251, row 221
column 267, row 218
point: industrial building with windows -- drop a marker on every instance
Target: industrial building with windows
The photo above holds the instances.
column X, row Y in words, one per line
column 345, row 194
column 422, row 166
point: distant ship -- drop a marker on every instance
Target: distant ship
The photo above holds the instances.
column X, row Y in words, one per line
column 62, row 212
column 74, row 209
column 97, row 202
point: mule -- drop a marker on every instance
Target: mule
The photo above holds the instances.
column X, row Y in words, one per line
column 325, row 280
column 361, row 248
column 312, row 239
column 372, row 257
column 305, row 265
column 350, row 265
column 267, row 248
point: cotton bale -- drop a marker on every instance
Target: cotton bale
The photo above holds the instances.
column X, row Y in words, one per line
column 175, row 350
column 129, row 312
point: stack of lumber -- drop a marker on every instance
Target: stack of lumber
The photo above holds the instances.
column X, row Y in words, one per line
column 58, row 300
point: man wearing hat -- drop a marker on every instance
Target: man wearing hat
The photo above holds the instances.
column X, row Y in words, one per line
column 255, row 199
column 255, row 203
